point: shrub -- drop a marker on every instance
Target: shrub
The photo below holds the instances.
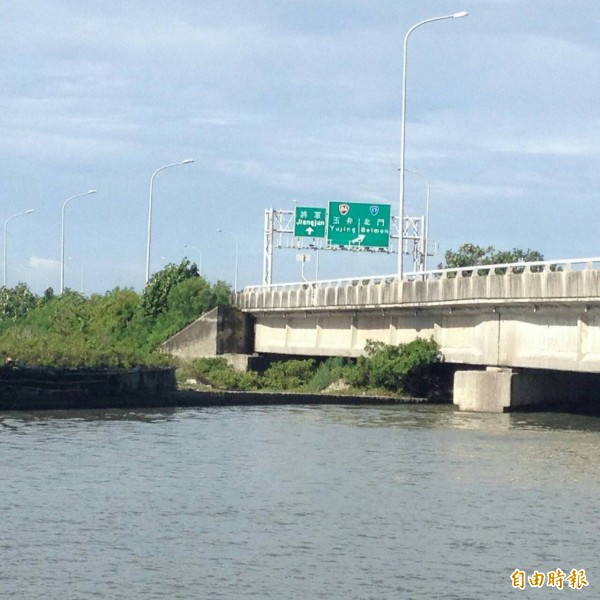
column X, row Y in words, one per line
column 119, row 328
column 288, row 374
column 218, row 374
column 405, row 368
column 328, row 372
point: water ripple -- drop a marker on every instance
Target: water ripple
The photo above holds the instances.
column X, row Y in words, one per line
column 293, row 502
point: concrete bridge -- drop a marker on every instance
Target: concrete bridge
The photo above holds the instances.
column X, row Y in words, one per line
column 531, row 330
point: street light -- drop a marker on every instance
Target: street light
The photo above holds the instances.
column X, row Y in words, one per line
column 62, row 238
column 199, row 253
column 457, row 15
column 27, row 212
column 426, row 224
column 235, row 282
column 183, row 162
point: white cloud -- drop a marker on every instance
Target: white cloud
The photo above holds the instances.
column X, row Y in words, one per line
column 46, row 264
column 547, row 146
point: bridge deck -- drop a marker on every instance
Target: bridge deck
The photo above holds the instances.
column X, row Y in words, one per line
column 539, row 315
column 545, row 282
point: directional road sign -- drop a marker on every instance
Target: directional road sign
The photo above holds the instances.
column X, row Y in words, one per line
column 359, row 224
column 310, row 222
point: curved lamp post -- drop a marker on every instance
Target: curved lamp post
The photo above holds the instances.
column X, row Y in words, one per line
column 62, row 238
column 235, row 281
column 199, row 253
column 457, row 15
column 426, row 224
column 183, row 162
column 27, row 212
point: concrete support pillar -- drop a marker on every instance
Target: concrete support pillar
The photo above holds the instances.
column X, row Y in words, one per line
column 392, row 331
column 483, row 391
column 497, row 389
column 353, row 331
column 319, row 333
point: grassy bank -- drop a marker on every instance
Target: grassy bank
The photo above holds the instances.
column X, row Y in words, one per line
column 408, row 370
column 123, row 328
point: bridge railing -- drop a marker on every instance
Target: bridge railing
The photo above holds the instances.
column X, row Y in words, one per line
column 569, row 264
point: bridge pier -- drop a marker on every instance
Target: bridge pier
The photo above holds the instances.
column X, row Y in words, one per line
column 483, row 391
column 499, row 389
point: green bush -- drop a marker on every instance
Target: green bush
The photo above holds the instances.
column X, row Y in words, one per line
column 281, row 376
column 406, row 368
column 119, row 329
column 288, row 374
column 327, row 373
column 218, row 374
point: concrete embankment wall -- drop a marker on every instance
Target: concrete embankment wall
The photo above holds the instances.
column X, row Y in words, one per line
column 221, row 331
column 194, row 399
column 28, row 388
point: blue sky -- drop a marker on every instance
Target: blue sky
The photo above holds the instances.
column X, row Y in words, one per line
column 283, row 100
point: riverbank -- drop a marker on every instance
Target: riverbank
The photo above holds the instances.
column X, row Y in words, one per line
column 190, row 399
column 45, row 388
column 31, row 388
column 224, row 398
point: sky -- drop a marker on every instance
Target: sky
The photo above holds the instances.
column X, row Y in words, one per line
column 284, row 103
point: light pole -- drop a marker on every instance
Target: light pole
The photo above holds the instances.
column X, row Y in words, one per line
column 457, row 15
column 183, row 162
column 199, row 254
column 426, row 224
column 62, row 238
column 27, row 212
column 235, row 281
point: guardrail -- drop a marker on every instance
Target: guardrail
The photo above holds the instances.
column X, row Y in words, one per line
column 541, row 266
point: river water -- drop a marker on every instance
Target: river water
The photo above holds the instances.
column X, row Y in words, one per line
column 297, row 502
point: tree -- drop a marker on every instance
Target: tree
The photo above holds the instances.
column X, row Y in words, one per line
column 156, row 293
column 16, row 302
column 114, row 329
column 186, row 301
column 470, row 255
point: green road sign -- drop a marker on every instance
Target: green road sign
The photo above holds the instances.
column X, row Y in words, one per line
column 359, row 224
column 310, row 222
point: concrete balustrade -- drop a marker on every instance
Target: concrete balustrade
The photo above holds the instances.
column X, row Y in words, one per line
column 458, row 286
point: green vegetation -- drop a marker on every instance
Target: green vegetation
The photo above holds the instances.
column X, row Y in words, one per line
column 122, row 329
column 118, row 329
column 469, row 255
column 407, row 369
column 216, row 373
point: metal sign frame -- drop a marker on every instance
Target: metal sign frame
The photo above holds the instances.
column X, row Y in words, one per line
column 279, row 233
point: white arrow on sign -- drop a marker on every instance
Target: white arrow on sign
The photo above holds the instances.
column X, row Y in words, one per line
column 358, row 239
column 309, row 230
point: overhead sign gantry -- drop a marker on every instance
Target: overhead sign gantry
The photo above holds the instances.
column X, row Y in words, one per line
column 349, row 226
